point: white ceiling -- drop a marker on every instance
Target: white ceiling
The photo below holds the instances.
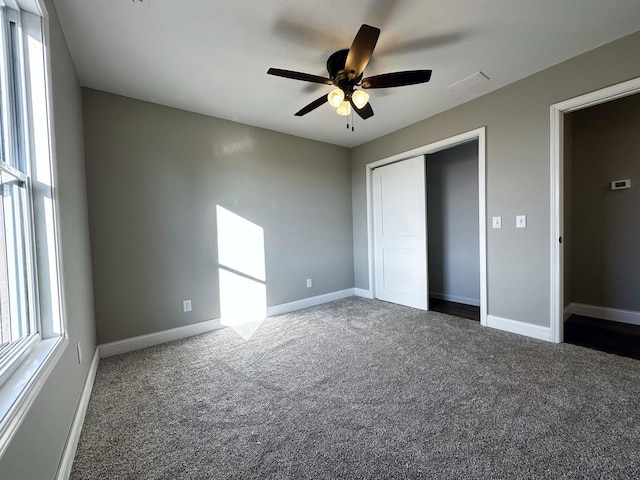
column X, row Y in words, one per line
column 211, row 56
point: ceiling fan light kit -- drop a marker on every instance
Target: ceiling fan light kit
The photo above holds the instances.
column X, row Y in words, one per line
column 345, row 69
column 360, row 98
column 344, row 108
column 335, row 97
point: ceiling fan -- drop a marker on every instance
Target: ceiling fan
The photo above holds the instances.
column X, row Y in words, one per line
column 345, row 69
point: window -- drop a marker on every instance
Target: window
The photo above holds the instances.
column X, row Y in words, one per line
column 31, row 327
column 17, row 319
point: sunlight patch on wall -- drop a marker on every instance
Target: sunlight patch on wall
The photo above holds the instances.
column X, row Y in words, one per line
column 243, row 290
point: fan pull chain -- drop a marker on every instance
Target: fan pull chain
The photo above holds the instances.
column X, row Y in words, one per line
column 352, row 125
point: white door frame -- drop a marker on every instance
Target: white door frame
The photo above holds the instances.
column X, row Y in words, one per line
column 477, row 134
column 557, row 188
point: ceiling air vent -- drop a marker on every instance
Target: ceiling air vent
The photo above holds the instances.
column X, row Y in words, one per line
column 469, row 83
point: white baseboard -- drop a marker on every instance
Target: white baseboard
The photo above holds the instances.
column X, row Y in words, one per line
column 521, row 328
column 156, row 338
column 603, row 313
column 308, row 302
column 143, row 341
column 453, row 298
column 360, row 292
column 69, row 452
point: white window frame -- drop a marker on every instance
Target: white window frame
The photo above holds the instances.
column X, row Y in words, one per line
column 33, row 358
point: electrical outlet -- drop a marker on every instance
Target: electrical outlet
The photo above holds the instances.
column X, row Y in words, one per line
column 309, row 283
column 79, row 353
column 186, row 305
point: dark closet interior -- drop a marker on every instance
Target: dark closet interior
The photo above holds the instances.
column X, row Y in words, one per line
column 452, row 230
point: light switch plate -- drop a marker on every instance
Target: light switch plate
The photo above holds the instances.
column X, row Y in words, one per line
column 497, row 222
column 521, row 221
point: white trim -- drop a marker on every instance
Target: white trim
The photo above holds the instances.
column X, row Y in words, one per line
column 156, row 338
column 521, row 328
column 454, row 298
column 22, row 388
column 566, row 314
column 361, row 292
column 557, row 191
column 64, row 468
column 557, row 220
column 480, row 135
column 39, row 5
column 36, row 7
column 604, row 313
column 482, row 220
column 309, row 302
column 143, row 341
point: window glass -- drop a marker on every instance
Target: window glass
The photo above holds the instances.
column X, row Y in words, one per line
column 14, row 279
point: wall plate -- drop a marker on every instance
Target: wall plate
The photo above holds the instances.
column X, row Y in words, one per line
column 621, row 184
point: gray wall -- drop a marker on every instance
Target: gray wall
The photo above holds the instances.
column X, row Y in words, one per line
column 518, row 171
column 452, row 217
column 605, row 223
column 37, row 447
column 155, row 175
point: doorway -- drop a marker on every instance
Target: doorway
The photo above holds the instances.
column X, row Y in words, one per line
column 453, row 225
column 602, row 218
column 561, row 231
column 479, row 136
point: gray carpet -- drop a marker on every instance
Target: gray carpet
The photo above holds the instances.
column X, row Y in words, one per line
column 363, row 389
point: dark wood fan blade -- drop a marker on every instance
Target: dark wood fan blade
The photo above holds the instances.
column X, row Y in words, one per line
column 305, row 77
column 396, row 79
column 361, row 50
column 364, row 112
column 312, row 106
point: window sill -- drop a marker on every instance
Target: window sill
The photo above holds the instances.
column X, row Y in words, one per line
column 21, row 389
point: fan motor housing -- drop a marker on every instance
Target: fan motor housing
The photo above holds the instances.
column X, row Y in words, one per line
column 335, row 67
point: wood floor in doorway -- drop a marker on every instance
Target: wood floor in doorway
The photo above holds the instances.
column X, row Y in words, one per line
column 456, row 309
column 614, row 337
